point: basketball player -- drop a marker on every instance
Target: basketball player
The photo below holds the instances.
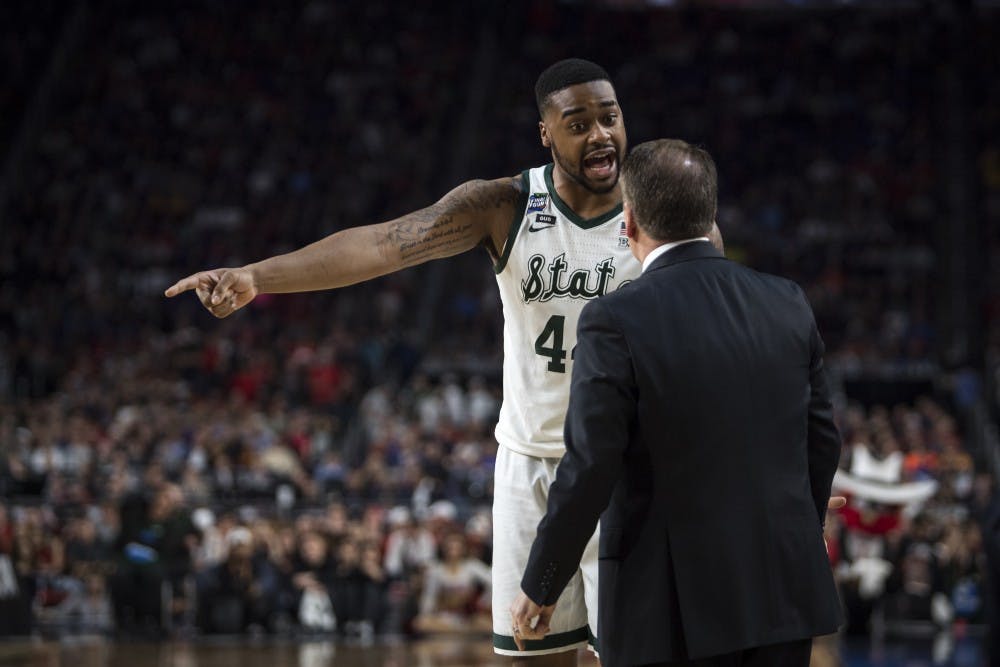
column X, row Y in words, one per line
column 556, row 236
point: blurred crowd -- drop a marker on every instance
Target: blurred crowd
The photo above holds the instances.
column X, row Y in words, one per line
column 323, row 462
column 912, row 564
column 180, row 515
column 176, row 514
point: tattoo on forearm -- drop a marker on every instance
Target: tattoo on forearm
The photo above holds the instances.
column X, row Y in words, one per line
column 443, row 228
column 420, row 235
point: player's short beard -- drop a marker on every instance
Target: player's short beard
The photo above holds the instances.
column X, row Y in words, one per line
column 579, row 178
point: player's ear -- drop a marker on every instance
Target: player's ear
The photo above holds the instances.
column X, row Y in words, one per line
column 543, row 132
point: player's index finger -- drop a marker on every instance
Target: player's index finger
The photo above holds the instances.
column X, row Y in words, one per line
column 182, row 286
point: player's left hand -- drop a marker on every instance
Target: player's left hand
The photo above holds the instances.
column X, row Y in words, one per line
column 522, row 611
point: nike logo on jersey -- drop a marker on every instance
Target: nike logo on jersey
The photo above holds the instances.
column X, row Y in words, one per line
column 542, row 221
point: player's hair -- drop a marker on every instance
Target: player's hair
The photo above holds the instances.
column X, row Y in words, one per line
column 672, row 189
column 564, row 74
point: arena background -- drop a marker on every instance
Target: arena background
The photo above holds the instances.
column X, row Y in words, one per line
column 323, row 447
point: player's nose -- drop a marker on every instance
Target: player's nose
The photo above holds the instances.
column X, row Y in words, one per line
column 599, row 135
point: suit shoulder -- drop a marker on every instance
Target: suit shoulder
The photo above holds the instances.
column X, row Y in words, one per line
column 612, row 310
column 616, row 299
column 776, row 287
column 785, row 285
column 596, row 307
column 785, row 289
column 625, row 291
column 773, row 282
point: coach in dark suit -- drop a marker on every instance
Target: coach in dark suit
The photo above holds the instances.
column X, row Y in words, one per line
column 700, row 423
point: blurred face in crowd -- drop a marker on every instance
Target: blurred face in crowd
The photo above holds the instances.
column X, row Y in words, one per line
column 336, row 519
column 348, row 554
column 95, row 584
column 225, row 523
column 314, row 548
column 241, row 551
column 262, row 531
column 454, row 547
column 167, row 500
column 973, row 537
column 582, row 125
column 286, row 537
column 86, row 531
column 29, row 529
column 153, row 476
column 371, row 554
column 305, row 524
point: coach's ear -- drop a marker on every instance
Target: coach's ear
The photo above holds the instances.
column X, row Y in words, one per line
column 544, row 134
column 631, row 229
column 633, row 232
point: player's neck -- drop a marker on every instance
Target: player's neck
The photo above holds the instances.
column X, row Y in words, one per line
column 584, row 203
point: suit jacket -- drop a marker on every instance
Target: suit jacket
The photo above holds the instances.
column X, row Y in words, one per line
column 700, row 418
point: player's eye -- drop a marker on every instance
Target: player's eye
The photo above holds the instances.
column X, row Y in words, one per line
column 577, row 127
column 610, row 119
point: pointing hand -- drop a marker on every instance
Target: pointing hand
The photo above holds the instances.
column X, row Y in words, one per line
column 221, row 291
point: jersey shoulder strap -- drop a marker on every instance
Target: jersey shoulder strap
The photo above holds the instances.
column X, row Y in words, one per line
column 515, row 224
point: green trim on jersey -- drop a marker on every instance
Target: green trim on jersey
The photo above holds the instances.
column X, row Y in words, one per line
column 515, row 225
column 557, row 640
column 564, row 208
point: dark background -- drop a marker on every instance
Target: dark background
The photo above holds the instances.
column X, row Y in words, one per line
column 858, row 153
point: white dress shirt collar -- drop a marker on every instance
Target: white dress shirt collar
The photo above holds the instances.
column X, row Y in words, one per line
column 659, row 250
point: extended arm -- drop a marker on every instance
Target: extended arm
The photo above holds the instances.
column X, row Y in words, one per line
column 475, row 213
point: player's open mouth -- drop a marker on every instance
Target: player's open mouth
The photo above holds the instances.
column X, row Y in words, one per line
column 601, row 164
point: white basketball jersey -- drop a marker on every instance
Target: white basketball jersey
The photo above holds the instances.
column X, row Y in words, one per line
column 553, row 262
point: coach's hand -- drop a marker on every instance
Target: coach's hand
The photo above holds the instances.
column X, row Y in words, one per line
column 522, row 611
column 836, row 502
column 222, row 291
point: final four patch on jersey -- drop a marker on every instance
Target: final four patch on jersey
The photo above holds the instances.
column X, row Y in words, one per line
column 537, row 201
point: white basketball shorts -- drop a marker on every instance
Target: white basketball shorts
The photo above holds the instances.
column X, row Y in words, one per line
column 521, row 491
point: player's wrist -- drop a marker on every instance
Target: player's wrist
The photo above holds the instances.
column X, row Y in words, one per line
column 253, row 270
